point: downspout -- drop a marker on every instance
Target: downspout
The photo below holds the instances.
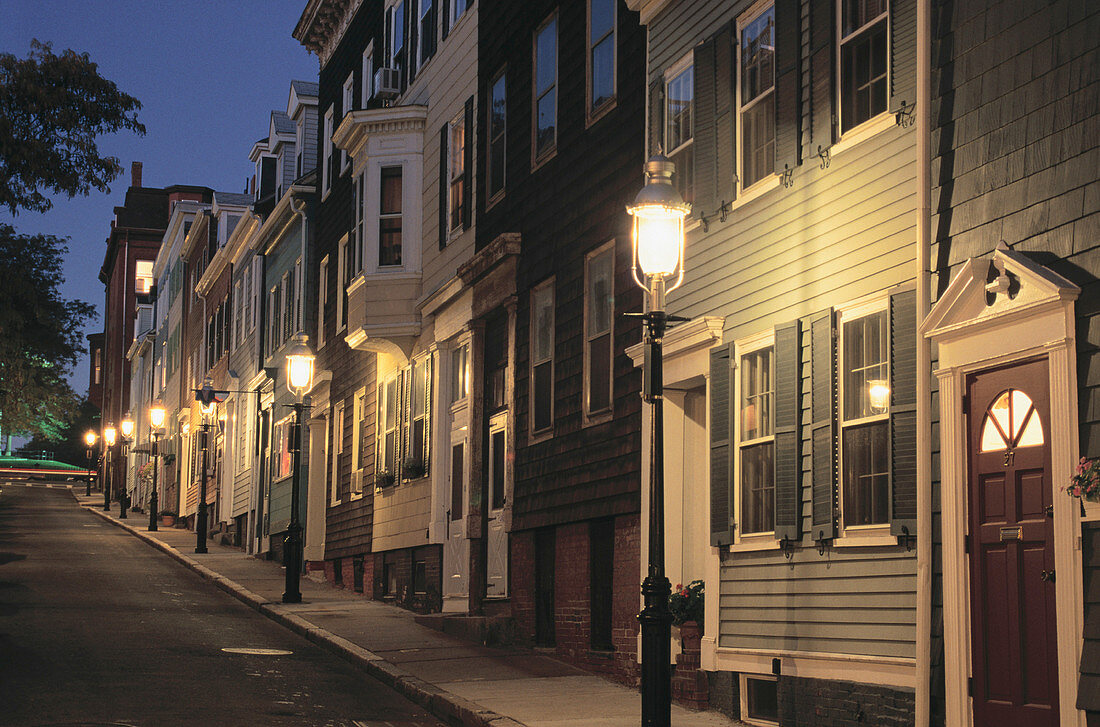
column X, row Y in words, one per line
column 924, row 366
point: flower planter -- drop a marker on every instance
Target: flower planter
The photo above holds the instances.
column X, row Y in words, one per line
column 167, row 520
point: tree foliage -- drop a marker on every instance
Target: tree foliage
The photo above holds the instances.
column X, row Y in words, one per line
column 66, row 444
column 52, row 109
column 41, row 335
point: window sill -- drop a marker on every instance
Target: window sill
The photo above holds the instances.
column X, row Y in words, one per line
column 540, row 436
column 756, row 191
column 494, row 200
column 594, row 115
column 863, row 132
column 540, row 161
column 877, row 537
column 591, row 420
column 754, row 543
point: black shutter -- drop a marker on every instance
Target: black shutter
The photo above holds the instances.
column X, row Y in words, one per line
column 444, row 186
column 725, row 135
column 704, row 134
column 903, row 54
column 413, row 24
column 468, row 165
column 403, row 62
column 822, row 26
column 445, row 19
column 429, row 40
column 656, row 116
column 903, row 413
column 388, row 39
column 788, row 94
column 721, row 472
column 788, row 400
column 823, row 428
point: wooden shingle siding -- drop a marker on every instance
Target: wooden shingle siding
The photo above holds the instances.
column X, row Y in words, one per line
column 854, row 601
column 1088, row 689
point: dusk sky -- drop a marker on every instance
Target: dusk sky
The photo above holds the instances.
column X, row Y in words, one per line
column 207, row 74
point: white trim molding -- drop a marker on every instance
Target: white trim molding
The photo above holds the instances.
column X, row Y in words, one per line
column 1027, row 311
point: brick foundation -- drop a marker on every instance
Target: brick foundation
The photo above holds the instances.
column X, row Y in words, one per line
column 815, row 702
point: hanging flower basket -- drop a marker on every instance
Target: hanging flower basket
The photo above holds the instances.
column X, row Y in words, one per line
column 1085, row 484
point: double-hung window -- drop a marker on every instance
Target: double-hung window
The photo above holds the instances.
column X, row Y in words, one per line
column 497, row 111
column 457, row 175
column 326, row 162
column 299, row 147
column 143, row 277
column 458, row 7
column 389, row 217
column 337, row 450
column 404, row 406
column 601, row 55
column 368, row 75
column 347, row 106
column 756, row 51
column 342, row 269
column 864, row 416
column 679, row 114
column 322, row 300
column 599, row 297
column 542, row 357
column 388, row 432
column 756, row 438
column 863, row 61
column 460, row 373
column 546, row 89
column 426, row 34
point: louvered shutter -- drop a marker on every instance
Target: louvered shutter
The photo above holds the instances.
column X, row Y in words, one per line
column 468, row 165
column 903, row 54
column 822, row 113
column 903, row 413
column 404, row 419
column 425, row 456
column 656, row 116
column 704, row 133
column 721, row 471
column 412, row 10
column 444, row 185
column 725, row 135
column 788, row 93
column 823, row 428
column 445, row 19
column 788, row 398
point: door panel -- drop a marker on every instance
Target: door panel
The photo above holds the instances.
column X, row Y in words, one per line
column 456, row 549
column 1011, row 545
column 497, row 565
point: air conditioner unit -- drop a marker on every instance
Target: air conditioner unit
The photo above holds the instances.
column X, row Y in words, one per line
column 387, row 83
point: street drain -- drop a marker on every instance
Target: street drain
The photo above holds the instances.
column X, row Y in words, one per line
column 257, row 652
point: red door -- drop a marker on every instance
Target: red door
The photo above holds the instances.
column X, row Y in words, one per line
column 1011, row 545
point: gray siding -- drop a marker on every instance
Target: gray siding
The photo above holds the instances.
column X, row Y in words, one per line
column 836, row 235
column 310, row 135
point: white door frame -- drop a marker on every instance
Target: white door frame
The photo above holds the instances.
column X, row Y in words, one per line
column 499, row 518
column 1027, row 311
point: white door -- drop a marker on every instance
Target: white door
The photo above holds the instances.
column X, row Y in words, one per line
column 497, row 580
column 456, row 548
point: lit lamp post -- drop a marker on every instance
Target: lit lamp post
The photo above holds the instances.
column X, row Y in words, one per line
column 299, row 379
column 90, row 438
column 208, row 405
column 156, row 421
column 109, row 436
column 126, row 428
column 659, row 213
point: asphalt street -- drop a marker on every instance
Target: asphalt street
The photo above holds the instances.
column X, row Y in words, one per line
column 97, row 628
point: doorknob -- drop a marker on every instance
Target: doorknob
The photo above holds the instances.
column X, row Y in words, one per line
column 1049, row 510
column 1047, row 575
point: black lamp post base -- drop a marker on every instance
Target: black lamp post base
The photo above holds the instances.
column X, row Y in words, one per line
column 292, row 560
column 656, row 623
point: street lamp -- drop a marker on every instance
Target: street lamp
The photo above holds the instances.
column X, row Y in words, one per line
column 109, row 436
column 658, row 212
column 208, row 405
column 90, row 438
column 156, row 421
column 299, row 380
column 126, row 428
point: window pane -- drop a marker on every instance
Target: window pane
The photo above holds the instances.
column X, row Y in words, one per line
column 758, row 140
column 458, row 374
column 858, row 13
column 419, row 374
column 681, row 91
column 391, row 404
column 599, row 373
column 543, row 333
column 389, row 224
column 599, row 292
column 497, row 445
column 863, row 75
column 457, row 474
column 416, row 441
column 603, row 71
column 758, row 488
column 547, row 118
column 756, row 394
column 496, row 136
column 603, row 17
column 546, row 57
column 866, row 474
column 543, row 395
column 758, row 56
column 391, row 191
column 762, row 699
column 865, row 341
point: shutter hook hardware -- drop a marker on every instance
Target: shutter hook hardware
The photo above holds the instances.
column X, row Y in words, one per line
column 823, row 154
column 787, row 175
column 906, row 116
column 908, row 537
column 821, row 542
column 786, row 546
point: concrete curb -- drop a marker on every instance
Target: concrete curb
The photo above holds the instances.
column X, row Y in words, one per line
column 443, row 704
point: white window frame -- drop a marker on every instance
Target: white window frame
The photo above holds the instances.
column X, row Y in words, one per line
column 358, row 408
column 854, row 36
column 368, row 75
column 594, row 113
column 456, row 172
column 322, row 300
column 399, row 216
column 282, row 434
column 686, row 145
column 876, row 531
column 386, row 402
column 459, row 359
column 765, row 99
column 539, row 157
column 743, row 689
column 600, row 415
column 299, row 146
column 533, row 362
column 348, row 105
column 140, row 265
column 765, row 539
column 342, row 248
column 494, row 196
column 326, row 180
column 244, row 439
column 337, row 450
column 456, row 10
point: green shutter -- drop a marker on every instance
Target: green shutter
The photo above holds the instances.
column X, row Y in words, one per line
column 704, row 133
column 823, row 428
column 788, row 398
column 656, row 115
column 725, row 116
column 822, row 60
column 903, row 413
column 903, row 54
column 721, row 479
column 788, row 91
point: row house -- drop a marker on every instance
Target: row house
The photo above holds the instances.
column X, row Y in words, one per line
column 393, row 414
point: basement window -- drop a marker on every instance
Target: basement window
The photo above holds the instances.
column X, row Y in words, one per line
column 759, row 700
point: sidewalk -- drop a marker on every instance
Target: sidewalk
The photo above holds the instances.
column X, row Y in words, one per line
column 461, row 682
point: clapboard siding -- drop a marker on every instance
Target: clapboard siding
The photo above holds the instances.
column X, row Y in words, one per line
column 401, row 516
column 310, row 132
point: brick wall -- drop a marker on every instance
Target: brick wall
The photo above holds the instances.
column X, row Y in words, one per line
column 826, row 703
column 572, row 604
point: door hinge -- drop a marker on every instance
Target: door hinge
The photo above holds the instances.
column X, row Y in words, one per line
column 970, row 686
